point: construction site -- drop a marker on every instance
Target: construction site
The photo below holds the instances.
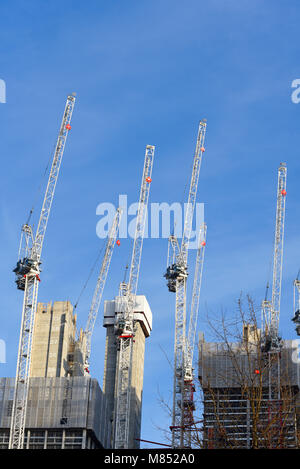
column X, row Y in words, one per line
column 150, row 238
column 250, row 388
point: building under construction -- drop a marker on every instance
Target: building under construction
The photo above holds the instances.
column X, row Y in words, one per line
column 251, row 386
column 250, row 396
column 53, row 400
column 53, row 361
column 62, row 413
column 143, row 327
column 65, row 409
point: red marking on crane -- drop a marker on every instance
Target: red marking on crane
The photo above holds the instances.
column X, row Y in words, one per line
column 148, row 179
column 283, row 192
column 68, row 127
column 203, row 243
column 38, row 278
column 118, row 242
column 87, row 370
column 202, row 149
column 129, row 336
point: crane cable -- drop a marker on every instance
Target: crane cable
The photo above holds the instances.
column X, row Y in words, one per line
column 38, row 190
column 89, row 275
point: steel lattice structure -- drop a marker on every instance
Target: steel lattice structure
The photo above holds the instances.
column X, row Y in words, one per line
column 100, row 286
column 177, row 278
column 278, row 250
column 27, row 272
column 297, row 295
column 271, row 309
column 188, row 385
column 125, row 321
column 188, row 222
column 195, row 302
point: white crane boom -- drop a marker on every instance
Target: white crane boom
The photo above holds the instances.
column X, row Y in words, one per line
column 125, row 321
column 195, row 302
column 176, row 275
column 271, row 308
column 188, row 385
column 193, row 192
column 96, row 300
column 278, row 252
column 27, row 272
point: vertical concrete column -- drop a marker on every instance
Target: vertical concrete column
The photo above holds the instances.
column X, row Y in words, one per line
column 46, row 439
column 63, row 439
column 28, row 439
column 83, row 445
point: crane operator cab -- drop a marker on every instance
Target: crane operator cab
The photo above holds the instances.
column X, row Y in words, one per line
column 173, row 272
column 24, row 266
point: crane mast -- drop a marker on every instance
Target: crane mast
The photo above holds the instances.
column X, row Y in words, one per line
column 188, row 386
column 188, row 222
column 27, row 273
column 177, row 275
column 195, row 302
column 271, row 309
column 124, row 326
column 96, row 300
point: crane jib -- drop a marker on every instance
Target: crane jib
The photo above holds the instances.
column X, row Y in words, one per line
column 27, row 273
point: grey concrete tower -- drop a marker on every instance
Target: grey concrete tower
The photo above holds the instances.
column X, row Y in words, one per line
column 143, row 327
column 66, row 410
column 53, row 339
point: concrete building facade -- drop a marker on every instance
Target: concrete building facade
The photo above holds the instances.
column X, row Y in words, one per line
column 53, row 339
column 143, row 327
column 65, row 408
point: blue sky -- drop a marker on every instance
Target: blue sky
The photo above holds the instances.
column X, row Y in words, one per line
column 145, row 73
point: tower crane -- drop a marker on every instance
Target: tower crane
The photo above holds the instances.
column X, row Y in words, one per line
column 125, row 326
column 271, row 309
column 96, row 300
column 188, row 385
column 177, row 278
column 27, row 279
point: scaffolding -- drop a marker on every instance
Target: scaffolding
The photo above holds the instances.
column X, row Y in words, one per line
column 62, row 412
column 250, row 399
